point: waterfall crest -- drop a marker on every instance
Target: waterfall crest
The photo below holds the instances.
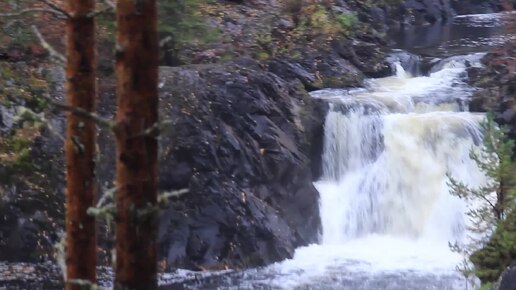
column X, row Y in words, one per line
column 387, row 152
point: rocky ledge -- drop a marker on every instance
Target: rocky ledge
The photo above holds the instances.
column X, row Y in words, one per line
column 242, row 141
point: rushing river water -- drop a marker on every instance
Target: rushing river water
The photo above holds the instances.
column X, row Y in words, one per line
column 386, row 212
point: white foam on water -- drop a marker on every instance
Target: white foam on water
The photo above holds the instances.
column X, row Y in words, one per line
column 384, row 200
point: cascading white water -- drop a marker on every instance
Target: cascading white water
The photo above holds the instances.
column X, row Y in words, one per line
column 384, row 170
column 384, row 200
column 385, row 174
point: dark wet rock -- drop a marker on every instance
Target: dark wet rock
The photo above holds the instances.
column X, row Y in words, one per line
column 6, row 118
column 477, row 6
column 21, row 276
column 317, row 72
column 507, row 280
column 31, row 203
column 411, row 63
column 367, row 55
column 426, row 12
column 243, row 139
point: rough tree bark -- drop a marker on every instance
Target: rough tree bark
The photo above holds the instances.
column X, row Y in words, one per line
column 136, row 169
column 80, row 143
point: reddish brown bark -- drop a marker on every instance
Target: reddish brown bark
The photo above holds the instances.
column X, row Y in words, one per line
column 136, row 170
column 80, row 143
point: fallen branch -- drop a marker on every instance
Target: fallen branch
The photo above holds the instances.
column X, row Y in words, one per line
column 100, row 12
column 102, row 122
column 54, row 7
column 53, row 53
column 110, row 3
column 165, row 196
column 22, row 12
column 27, row 114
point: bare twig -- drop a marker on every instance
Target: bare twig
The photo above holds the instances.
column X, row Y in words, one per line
column 48, row 47
column 103, row 122
column 22, row 12
column 110, row 3
column 8, row 25
column 25, row 113
column 100, row 12
column 154, row 130
column 107, row 123
column 55, row 7
column 164, row 196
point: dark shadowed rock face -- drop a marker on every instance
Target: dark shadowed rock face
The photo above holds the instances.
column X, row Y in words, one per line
column 424, row 12
column 240, row 140
column 477, row 6
column 428, row 11
column 508, row 279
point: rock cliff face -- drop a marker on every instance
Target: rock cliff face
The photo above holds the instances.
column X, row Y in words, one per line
column 241, row 140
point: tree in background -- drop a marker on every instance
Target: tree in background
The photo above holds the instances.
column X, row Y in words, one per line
column 81, row 250
column 493, row 202
column 136, row 145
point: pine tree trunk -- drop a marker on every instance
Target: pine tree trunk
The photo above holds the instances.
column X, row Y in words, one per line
column 80, row 143
column 136, row 169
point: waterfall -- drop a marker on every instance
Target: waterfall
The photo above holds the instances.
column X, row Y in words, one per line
column 386, row 211
column 386, row 174
column 387, row 214
column 387, row 152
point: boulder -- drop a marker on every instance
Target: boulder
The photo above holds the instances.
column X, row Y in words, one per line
column 507, row 280
column 241, row 141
